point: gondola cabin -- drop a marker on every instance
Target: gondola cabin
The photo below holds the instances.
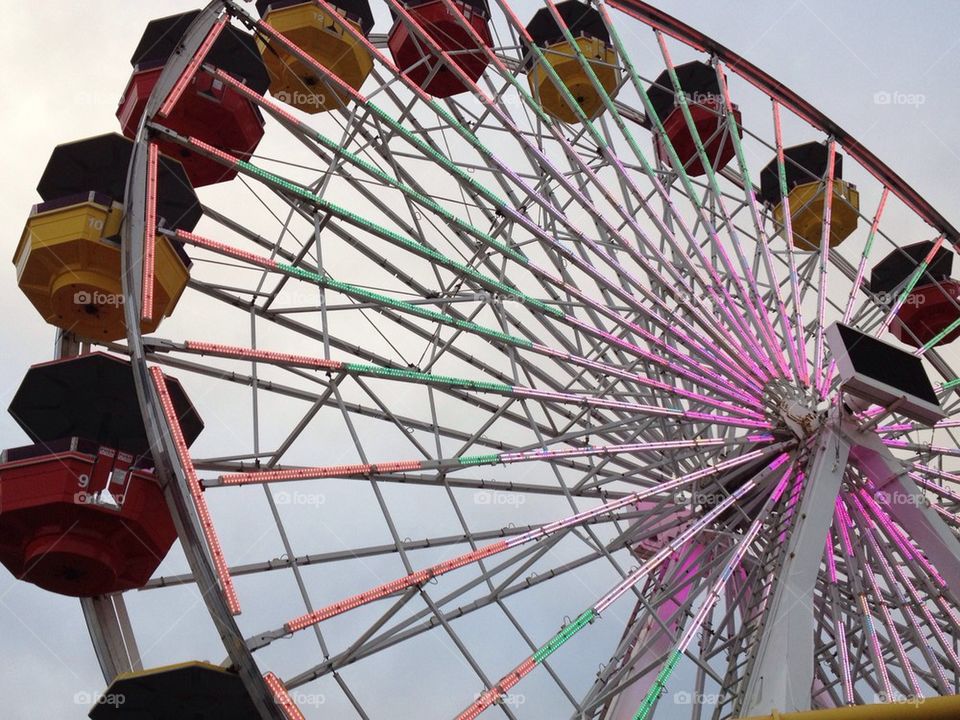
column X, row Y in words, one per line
column 806, row 173
column 415, row 58
column 83, row 514
column 592, row 41
column 932, row 306
column 68, row 257
column 323, row 36
column 209, row 109
column 704, row 97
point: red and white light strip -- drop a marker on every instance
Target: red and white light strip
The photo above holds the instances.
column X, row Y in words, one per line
column 150, row 235
column 282, row 698
column 196, row 491
column 187, row 76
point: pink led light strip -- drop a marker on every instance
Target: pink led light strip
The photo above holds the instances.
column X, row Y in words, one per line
column 282, row 698
column 818, row 370
column 791, row 250
column 422, row 576
column 231, row 351
column 229, row 250
column 907, row 550
column 842, row 521
column 150, row 235
column 764, row 239
column 193, row 482
column 868, row 528
column 187, row 76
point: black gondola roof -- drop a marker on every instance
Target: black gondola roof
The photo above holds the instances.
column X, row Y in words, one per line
column 358, row 9
column 194, row 691
column 234, row 51
column 480, row 6
column 99, row 164
column 900, row 264
column 694, row 77
column 579, row 17
column 92, row 397
column 803, row 164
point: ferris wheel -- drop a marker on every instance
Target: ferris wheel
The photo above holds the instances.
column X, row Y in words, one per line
column 455, row 358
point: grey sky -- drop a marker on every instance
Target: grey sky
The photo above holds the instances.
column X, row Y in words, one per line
column 66, row 63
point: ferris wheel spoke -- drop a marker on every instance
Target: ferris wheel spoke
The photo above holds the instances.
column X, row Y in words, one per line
column 657, row 621
column 447, row 465
column 568, row 287
column 854, row 565
column 380, row 414
column 616, row 164
column 712, row 597
column 443, row 382
column 823, row 260
column 763, row 240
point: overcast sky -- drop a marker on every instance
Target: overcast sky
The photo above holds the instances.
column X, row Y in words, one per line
column 66, row 62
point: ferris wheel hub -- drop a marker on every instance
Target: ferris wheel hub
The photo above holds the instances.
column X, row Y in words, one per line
column 793, row 410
